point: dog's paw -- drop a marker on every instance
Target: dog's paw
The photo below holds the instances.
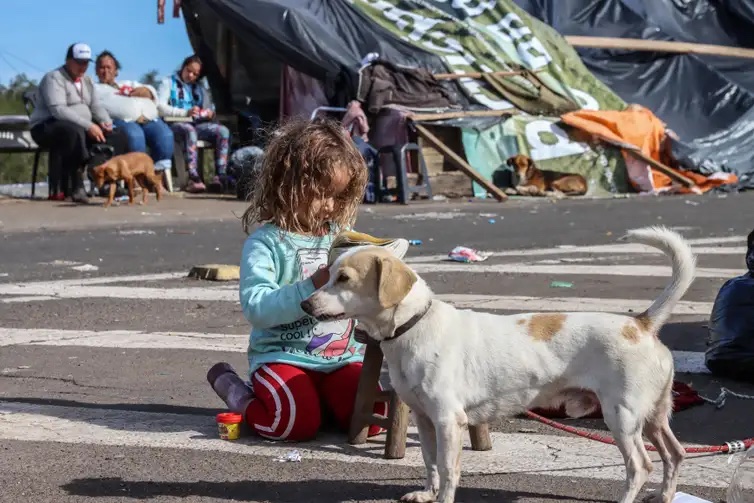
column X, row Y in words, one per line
column 656, row 497
column 419, row 497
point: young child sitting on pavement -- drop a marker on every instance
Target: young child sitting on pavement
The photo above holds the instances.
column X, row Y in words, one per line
column 311, row 181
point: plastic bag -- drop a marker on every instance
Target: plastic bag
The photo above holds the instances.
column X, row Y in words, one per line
column 731, row 326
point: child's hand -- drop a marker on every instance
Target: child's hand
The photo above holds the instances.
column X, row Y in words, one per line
column 321, row 277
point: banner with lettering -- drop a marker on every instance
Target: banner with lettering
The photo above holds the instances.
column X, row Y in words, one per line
column 496, row 35
column 552, row 145
column 492, row 35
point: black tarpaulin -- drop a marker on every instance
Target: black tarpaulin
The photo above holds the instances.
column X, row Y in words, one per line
column 321, row 38
column 706, row 100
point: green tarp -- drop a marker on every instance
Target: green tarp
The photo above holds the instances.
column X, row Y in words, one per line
column 549, row 144
column 496, row 35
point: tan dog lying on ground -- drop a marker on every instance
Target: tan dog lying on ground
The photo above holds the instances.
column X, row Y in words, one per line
column 457, row 367
column 134, row 166
column 533, row 181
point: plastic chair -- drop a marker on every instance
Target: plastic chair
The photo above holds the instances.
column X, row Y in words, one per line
column 399, row 159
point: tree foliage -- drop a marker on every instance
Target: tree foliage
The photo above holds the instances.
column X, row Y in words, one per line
column 151, row 78
column 16, row 168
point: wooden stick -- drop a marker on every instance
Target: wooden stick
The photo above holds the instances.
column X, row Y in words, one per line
column 494, row 84
column 667, row 170
column 459, row 162
column 635, row 44
column 462, row 114
column 479, row 75
column 480, row 437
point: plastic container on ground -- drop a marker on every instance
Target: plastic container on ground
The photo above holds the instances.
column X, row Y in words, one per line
column 741, row 489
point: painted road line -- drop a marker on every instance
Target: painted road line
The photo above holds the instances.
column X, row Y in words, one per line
column 32, row 287
column 607, row 250
column 690, row 362
column 717, row 240
column 511, row 453
column 30, row 298
column 82, row 289
column 59, row 291
column 126, row 339
column 581, row 304
column 617, row 248
column 570, row 269
column 489, row 302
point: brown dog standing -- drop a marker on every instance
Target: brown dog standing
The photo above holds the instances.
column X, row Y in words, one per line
column 536, row 182
column 134, row 166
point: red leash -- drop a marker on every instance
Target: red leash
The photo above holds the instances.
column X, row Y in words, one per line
column 728, row 447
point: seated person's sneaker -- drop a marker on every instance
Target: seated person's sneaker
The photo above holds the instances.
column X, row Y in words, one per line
column 349, row 239
column 195, row 187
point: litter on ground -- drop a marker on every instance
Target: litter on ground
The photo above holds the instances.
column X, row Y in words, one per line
column 291, row 457
column 561, row 284
column 464, row 254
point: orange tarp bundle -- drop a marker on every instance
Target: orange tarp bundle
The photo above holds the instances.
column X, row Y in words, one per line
column 639, row 127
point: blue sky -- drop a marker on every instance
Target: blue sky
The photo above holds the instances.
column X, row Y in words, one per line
column 34, row 35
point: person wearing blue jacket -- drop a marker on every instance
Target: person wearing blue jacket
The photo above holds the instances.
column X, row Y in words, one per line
column 181, row 95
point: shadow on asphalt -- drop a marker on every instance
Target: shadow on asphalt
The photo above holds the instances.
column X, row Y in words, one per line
column 686, row 335
column 311, row 491
column 130, row 407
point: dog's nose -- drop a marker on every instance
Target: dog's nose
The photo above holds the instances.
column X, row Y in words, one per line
column 306, row 305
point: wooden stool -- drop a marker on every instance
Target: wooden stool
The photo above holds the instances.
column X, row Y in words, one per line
column 396, row 422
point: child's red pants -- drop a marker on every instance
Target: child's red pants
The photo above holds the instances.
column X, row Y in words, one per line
column 289, row 401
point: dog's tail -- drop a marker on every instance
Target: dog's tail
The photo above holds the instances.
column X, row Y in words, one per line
column 683, row 262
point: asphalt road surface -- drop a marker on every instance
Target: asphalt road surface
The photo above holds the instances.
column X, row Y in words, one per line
column 104, row 347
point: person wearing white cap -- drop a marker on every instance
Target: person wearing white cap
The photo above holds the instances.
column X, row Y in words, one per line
column 68, row 120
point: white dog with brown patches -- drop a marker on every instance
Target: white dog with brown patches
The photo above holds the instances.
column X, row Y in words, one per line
column 457, row 367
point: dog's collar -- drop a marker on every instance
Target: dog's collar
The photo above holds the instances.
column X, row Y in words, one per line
column 410, row 323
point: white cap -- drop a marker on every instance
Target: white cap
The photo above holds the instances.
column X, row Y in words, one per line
column 80, row 51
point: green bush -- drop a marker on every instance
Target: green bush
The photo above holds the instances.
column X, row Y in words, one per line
column 16, row 168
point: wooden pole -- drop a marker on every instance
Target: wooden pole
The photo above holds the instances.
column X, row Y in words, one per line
column 667, row 170
column 635, row 44
column 462, row 114
column 479, row 75
column 460, row 163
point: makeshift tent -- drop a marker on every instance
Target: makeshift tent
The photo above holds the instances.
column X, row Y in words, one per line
column 708, row 101
column 287, row 57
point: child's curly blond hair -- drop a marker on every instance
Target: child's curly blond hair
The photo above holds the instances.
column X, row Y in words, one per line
column 301, row 163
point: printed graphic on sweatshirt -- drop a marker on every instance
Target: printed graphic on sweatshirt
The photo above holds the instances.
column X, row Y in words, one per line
column 330, row 339
column 310, row 260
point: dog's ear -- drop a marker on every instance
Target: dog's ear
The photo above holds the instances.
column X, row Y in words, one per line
column 98, row 173
column 530, row 165
column 395, row 280
column 110, row 172
column 509, row 162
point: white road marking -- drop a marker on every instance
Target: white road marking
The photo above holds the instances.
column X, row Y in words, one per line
column 581, row 304
column 99, row 288
column 571, row 269
column 499, row 302
column 30, row 298
column 685, row 361
column 512, row 453
column 717, row 240
column 126, row 339
column 627, row 248
column 121, row 292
